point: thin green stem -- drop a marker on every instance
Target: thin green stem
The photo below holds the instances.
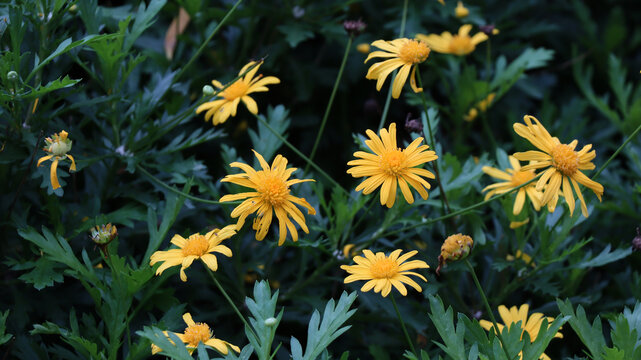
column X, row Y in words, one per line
column 301, row 155
column 634, row 133
column 389, row 92
column 229, row 300
column 487, row 305
column 178, row 192
column 204, row 44
column 400, row 318
column 331, row 101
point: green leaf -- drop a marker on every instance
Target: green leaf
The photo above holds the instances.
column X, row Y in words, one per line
column 144, row 19
column 506, row 76
column 534, row 350
column 83, row 346
column 265, row 142
column 172, row 346
column 4, row 337
column 625, row 334
column 45, row 273
column 295, row 33
column 605, row 257
column 453, row 337
column 621, row 90
column 40, row 90
column 262, row 307
column 590, row 335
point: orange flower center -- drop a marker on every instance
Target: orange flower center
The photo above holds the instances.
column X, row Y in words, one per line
column 236, row 90
column 414, row 52
column 461, row 45
column 521, row 177
column 392, row 162
column 565, row 159
column 196, row 245
column 273, row 190
column 197, row 333
column 385, row 268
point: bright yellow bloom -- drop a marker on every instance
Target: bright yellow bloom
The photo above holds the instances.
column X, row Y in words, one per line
column 196, row 333
column 197, row 246
column 482, row 106
column 405, row 53
column 459, row 44
column 389, row 166
column 271, row 196
column 383, row 272
column 513, row 178
column 455, row 247
column 58, row 145
column 220, row 110
column 461, row 11
column 363, row 48
column 530, row 325
column 562, row 163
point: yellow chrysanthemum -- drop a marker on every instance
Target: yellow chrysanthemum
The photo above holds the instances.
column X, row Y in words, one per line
column 458, row 44
column 530, row 325
column 383, row 272
column 220, row 110
column 512, row 178
column 197, row 246
column 563, row 165
column 405, row 53
column 461, row 11
column 196, row 333
column 389, row 166
column 271, row 196
column 58, row 145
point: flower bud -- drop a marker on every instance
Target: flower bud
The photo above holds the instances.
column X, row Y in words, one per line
column 354, row 27
column 270, row 322
column 455, row 247
column 208, row 90
column 103, row 235
column 489, row 29
column 12, row 75
column 636, row 242
column 413, row 125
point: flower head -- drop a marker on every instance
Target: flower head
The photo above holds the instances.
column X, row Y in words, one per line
column 58, row 145
column 383, row 272
column 461, row 11
column 271, row 196
column 458, row 44
column 455, row 247
column 220, row 110
column 197, row 246
column 196, row 333
column 103, row 235
column 389, row 165
column 513, row 178
column 530, row 324
column 562, row 165
column 404, row 53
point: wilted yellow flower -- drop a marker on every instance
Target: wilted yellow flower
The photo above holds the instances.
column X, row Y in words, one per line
column 271, row 196
column 461, row 11
column 405, row 53
column 58, row 145
column 220, row 110
column 459, row 44
column 383, row 272
column 389, row 166
column 530, row 325
column 197, row 333
column 455, row 247
column 363, row 48
column 197, row 246
column 562, row 163
column 512, row 178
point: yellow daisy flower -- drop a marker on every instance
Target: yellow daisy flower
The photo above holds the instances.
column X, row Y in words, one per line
column 562, row 163
column 530, row 325
column 196, row 333
column 513, row 178
column 383, row 272
column 197, row 246
column 389, row 166
column 220, row 110
column 458, row 44
column 405, row 53
column 461, row 11
column 58, row 145
column 271, row 196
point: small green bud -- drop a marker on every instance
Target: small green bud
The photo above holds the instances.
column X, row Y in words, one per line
column 12, row 75
column 270, row 322
column 208, row 90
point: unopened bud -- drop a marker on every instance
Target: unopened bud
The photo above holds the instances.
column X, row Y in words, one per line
column 103, row 235
column 12, row 75
column 636, row 242
column 208, row 90
column 488, row 29
column 270, row 322
column 354, row 27
column 455, row 247
column 413, row 125
column 73, row 8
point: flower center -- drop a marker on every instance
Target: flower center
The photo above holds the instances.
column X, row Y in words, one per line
column 392, row 162
column 414, row 52
column 197, row 333
column 384, row 268
column 273, row 190
column 521, row 177
column 236, row 90
column 565, row 159
column 461, row 45
column 59, row 148
column 196, row 245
